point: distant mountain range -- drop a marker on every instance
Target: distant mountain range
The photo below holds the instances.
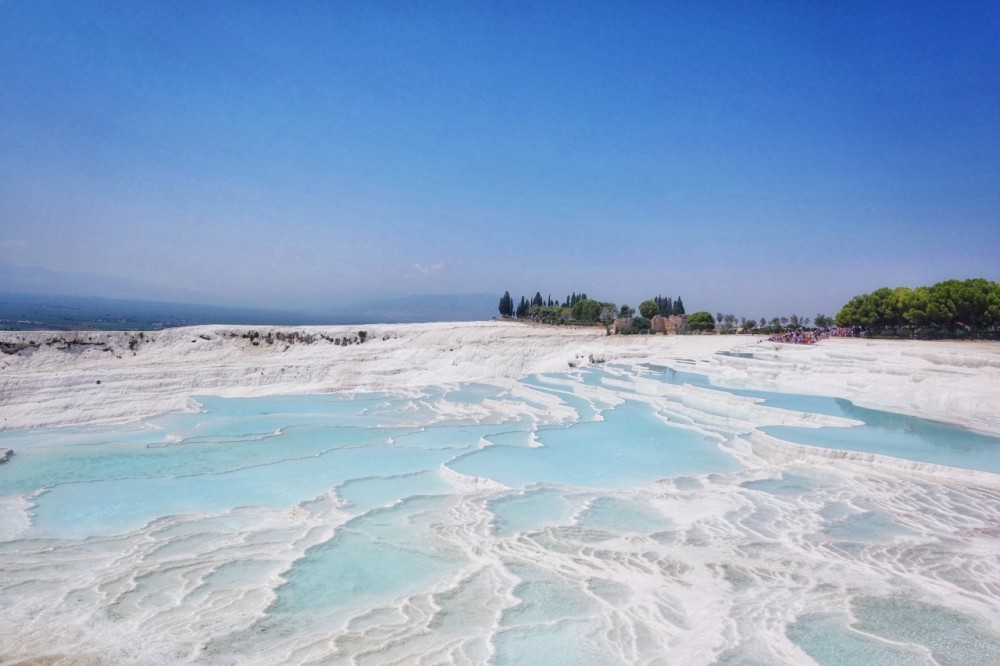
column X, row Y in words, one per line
column 40, row 298
column 35, row 280
column 424, row 308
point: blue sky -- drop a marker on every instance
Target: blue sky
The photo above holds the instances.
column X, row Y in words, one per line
column 755, row 158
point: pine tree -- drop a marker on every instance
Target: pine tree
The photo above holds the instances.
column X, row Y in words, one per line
column 678, row 306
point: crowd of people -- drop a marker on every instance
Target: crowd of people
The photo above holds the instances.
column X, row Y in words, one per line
column 812, row 337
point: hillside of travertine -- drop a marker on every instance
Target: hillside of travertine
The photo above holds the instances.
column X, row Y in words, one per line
column 60, row 378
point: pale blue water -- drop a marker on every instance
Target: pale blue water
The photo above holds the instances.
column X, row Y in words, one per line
column 645, row 449
column 953, row 638
column 787, row 484
column 896, row 631
column 547, row 624
column 532, row 510
column 620, row 515
column 377, row 555
column 365, row 494
column 830, row 640
column 884, row 433
column 290, row 529
column 901, row 437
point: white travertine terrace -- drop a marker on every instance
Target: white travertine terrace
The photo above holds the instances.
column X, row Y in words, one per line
column 100, row 379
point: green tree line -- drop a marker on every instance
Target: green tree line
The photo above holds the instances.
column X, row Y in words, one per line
column 539, row 307
column 953, row 308
column 584, row 310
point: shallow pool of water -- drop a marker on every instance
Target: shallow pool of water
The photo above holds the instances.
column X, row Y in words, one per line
column 576, row 520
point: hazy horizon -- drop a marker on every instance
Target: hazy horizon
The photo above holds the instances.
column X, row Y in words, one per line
column 759, row 160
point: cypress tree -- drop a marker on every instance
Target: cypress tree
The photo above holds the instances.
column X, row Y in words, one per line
column 506, row 305
column 522, row 308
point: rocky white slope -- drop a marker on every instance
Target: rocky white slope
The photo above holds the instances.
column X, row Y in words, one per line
column 57, row 378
